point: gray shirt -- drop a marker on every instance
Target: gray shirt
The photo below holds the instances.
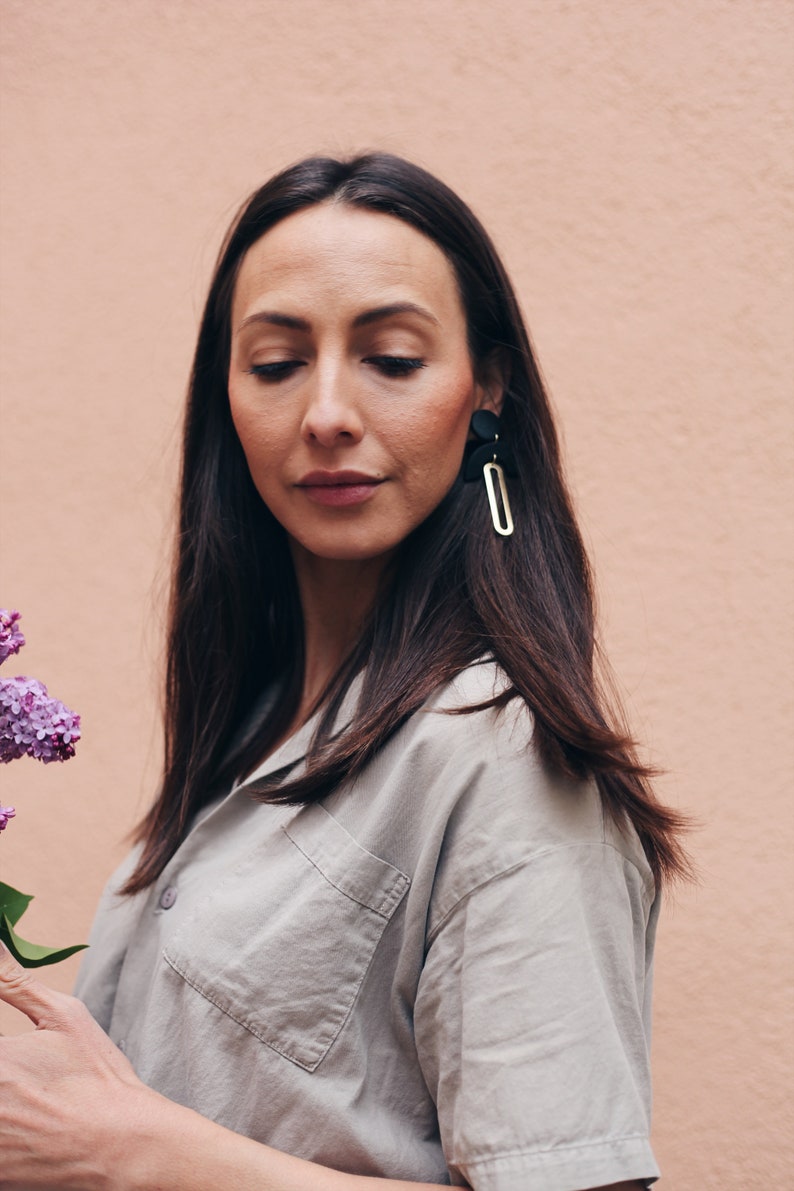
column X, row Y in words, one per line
column 440, row 973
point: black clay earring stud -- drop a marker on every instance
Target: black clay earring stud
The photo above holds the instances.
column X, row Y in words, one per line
column 489, row 457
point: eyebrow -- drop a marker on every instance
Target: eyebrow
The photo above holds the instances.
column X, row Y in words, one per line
column 382, row 312
column 378, row 313
column 273, row 318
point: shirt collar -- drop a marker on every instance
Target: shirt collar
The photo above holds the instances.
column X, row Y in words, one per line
column 294, row 749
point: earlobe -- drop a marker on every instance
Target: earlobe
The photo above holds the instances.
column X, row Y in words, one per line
column 490, row 399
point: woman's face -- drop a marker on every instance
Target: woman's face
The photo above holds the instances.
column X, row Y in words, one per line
column 350, row 382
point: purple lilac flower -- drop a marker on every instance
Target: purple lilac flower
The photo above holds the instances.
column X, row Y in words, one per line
column 34, row 725
column 6, row 813
column 11, row 638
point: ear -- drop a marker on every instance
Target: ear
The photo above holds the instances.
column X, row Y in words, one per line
column 490, row 383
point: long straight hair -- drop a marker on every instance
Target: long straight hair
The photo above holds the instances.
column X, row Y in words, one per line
column 458, row 591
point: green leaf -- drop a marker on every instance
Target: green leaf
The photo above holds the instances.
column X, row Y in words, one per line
column 13, row 903
column 33, row 955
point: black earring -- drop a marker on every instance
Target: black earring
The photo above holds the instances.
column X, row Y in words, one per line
column 490, row 457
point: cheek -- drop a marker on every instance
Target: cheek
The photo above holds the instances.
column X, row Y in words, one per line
column 259, row 436
column 447, row 421
column 242, row 421
column 431, row 444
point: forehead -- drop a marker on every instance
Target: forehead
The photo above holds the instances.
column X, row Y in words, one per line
column 355, row 257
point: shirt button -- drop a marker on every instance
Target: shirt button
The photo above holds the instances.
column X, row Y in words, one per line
column 168, row 897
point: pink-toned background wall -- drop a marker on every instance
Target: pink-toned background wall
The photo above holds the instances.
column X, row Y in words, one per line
column 633, row 161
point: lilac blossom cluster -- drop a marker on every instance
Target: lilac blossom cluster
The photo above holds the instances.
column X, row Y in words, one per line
column 32, row 724
column 11, row 639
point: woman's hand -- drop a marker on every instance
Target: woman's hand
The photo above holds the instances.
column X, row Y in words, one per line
column 67, row 1094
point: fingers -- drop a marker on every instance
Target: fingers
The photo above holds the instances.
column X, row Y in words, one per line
column 21, row 990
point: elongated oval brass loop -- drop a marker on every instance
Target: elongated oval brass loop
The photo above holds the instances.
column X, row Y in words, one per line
column 502, row 518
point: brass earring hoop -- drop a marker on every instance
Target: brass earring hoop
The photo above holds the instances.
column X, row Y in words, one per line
column 490, row 458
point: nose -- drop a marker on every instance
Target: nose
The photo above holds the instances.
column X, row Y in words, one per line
column 332, row 416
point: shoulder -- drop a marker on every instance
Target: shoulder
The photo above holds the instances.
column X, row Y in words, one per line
column 476, row 790
column 458, row 722
column 483, row 766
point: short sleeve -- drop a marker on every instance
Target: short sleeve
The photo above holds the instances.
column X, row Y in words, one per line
column 531, row 1024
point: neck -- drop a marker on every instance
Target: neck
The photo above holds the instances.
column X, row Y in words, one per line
column 336, row 598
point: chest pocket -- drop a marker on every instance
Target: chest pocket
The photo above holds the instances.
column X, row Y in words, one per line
column 283, row 943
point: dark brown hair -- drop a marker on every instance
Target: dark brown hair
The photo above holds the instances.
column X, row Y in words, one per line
column 458, row 591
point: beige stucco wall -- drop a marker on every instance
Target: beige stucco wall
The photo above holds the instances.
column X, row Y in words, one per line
column 633, row 162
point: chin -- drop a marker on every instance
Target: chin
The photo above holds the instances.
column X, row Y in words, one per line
column 352, row 555
column 348, row 551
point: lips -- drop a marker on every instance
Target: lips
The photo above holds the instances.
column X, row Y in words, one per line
column 338, row 488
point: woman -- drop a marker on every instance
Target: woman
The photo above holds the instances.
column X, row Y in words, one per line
column 390, row 919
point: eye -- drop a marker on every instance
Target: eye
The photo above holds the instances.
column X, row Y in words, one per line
column 275, row 370
column 395, row 365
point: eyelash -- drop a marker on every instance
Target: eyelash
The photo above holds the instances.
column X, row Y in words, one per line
column 278, row 370
column 396, row 365
column 388, row 365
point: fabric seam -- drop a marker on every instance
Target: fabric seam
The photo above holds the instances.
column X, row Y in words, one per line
column 395, row 895
column 582, row 1145
column 528, row 860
